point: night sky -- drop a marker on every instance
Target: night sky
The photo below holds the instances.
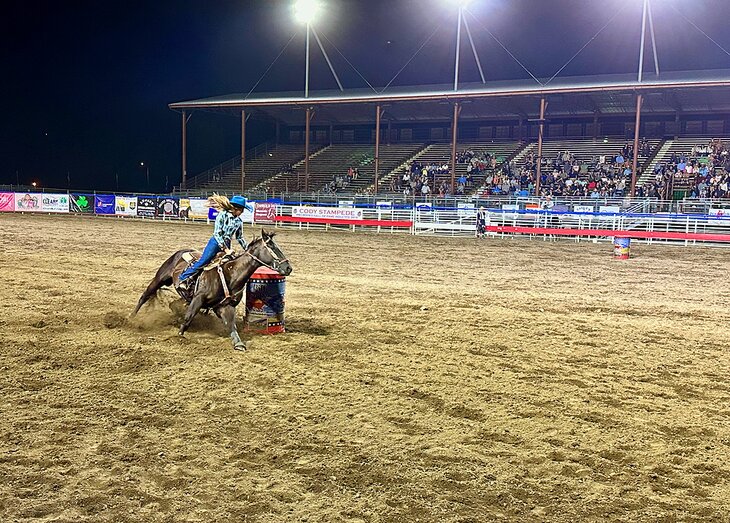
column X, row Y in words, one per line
column 86, row 83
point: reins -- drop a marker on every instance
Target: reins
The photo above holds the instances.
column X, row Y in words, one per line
column 276, row 263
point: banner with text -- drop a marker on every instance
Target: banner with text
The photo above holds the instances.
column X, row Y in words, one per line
column 7, row 201
column 54, row 202
column 83, row 203
column 147, row 206
column 198, row 208
column 104, row 204
column 125, row 206
column 168, row 207
column 328, row 213
column 27, row 202
column 264, row 212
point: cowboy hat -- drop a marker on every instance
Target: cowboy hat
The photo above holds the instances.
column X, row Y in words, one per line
column 240, row 201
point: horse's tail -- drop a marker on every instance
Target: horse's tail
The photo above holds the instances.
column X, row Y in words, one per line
column 162, row 278
column 220, row 202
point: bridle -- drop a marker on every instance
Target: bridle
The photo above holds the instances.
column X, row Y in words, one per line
column 276, row 264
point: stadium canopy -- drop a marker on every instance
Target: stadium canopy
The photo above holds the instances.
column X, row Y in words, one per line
column 670, row 92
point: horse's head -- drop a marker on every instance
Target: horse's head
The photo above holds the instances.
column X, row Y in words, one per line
column 266, row 250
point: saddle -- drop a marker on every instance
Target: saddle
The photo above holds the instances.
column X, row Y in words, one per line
column 191, row 257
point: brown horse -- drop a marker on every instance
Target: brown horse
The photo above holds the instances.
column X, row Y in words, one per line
column 209, row 292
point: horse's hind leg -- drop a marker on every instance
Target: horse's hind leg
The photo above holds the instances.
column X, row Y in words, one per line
column 227, row 314
column 151, row 291
column 193, row 309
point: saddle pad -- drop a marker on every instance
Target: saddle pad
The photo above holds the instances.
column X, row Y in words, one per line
column 193, row 256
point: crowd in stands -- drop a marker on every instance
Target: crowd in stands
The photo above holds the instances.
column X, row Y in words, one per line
column 601, row 176
column 342, row 181
column 704, row 171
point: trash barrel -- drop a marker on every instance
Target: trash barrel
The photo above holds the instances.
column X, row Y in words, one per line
column 265, row 302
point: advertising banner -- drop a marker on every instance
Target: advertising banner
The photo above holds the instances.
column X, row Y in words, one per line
column 7, row 201
column 466, row 210
column 613, row 209
column 146, row 206
column 83, row 203
column 264, row 212
column 184, row 211
column 198, row 208
column 510, row 207
column 583, row 208
column 54, row 202
column 27, row 202
column 331, row 213
column 125, row 205
column 104, row 204
column 168, row 207
column 212, row 214
column 346, row 203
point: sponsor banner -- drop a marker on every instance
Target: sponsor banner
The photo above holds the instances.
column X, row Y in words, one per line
column 125, row 205
column 147, row 206
column 466, row 210
column 583, row 208
column 194, row 208
column 264, row 212
column 212, row 213
column 54, row 202
column 333, row 213
column 83, row 203
column 28, row 202
column 384, row 206
column 510, row 207
column 612, row 209
column 424, row 206
column 718, row 213
column 346, row 203
column 104, row 204
column 168, row 207
column 7, row 201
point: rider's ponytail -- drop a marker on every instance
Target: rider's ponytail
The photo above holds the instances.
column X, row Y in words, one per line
column 219, row 202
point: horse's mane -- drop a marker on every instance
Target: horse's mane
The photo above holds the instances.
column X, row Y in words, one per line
column 220, row 202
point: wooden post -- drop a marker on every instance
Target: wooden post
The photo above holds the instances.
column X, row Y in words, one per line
column 454, row 137
column 539, row 145
column 184, row 181
column 377, row 146
column 306, row 150
column 637, row 125
column 243, row 150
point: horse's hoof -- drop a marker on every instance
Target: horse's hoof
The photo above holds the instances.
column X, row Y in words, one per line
column 240, row 346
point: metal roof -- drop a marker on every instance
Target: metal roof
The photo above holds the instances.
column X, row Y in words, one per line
column 703, row 91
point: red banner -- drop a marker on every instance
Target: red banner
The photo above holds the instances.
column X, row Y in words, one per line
column 264, row 213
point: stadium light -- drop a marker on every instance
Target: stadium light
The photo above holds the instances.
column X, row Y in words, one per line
column 305, row 11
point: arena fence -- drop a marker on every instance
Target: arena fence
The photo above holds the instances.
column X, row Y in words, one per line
column 643, row 220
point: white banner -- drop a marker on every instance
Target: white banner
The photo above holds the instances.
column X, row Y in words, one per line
column 466, row 210
column 55, row 202
column 612, row 209
column 332, row 213
column 125, row 205
column 346, row 203
column 28, row 202
column 583, row 208
column 510, row 207
column 199, row 208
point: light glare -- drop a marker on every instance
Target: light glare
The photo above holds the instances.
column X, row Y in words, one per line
column 305, row 11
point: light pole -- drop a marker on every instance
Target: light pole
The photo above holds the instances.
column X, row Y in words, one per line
column 147, row 170
column 305, row 11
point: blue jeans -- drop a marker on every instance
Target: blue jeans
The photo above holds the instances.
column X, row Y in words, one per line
column 208, row 254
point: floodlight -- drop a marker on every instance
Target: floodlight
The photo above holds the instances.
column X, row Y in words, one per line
column 305, row 11
column 459, row 3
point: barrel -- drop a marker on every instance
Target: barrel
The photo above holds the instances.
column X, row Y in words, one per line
column 621, row 248
column 265, row 302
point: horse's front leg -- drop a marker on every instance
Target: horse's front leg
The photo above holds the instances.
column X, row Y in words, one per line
column 193, row 309
column 227, row 314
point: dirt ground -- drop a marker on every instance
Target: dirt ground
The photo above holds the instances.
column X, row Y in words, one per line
column 422, row 379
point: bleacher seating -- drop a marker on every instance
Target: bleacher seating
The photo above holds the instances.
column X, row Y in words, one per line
column 440, row 154
column 334, row 160
column 257, row 169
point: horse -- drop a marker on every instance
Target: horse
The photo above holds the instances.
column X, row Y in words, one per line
column 209, row 292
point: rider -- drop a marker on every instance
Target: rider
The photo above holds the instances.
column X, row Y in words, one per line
column 228, row 225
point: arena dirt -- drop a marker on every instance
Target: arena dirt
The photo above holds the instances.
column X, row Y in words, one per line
column 422, row 379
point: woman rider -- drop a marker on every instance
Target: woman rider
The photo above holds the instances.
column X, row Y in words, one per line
column 228, row 225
